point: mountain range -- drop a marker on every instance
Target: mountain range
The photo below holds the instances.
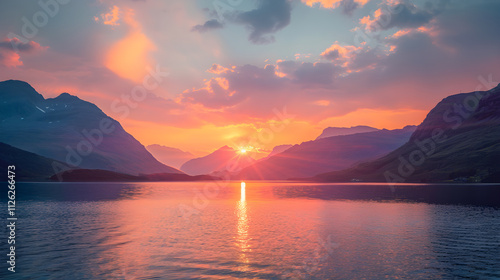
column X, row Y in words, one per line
column 71, row 131
column 337, row 131
column 74, row 140
column 276, row 150
column 222, row 160
column 327, row 154
column 459, row 140
column 170, row 156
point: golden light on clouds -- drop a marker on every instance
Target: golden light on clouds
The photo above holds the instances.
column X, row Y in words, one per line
column 112, row 17
column 331, row 4
column 129, row 57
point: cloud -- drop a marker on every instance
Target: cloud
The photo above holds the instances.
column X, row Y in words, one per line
column 402, row 14
column 410, row 72
column 217, row 69
column 10, row 50
column 251, row 91
column 10, row 59
column 337, row 52
column 17, row 45
column 110, row 18
column 215, row 95
column 268, row 18
column 307, row 74
column 129, row 57
column 207, row 26
column 348, row 6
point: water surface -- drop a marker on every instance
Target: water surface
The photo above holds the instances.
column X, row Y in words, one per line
column 255, row 230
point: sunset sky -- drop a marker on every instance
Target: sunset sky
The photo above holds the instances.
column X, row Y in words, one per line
column 269, row 72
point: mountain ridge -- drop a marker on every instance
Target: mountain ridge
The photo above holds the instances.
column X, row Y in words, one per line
column 72, row 131
column 218, row 161
column 317, row 156
column 456, row 142
column 338, row 131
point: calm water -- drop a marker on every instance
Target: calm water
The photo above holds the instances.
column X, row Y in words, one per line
column 255, row 230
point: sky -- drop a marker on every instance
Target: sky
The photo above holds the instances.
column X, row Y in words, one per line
column 198, row 75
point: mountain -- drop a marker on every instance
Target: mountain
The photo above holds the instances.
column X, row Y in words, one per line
column 223, row 159
column 276, row 150
column 458, row 140
column 72, row 131
column 170, row 156
column 326, row 154
column 93, row 175
column 337, row 131
column 28, row 166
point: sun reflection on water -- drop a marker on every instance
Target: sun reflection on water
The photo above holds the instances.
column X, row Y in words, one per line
column 242, row 227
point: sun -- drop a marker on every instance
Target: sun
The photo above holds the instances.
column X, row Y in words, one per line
column 245, row 150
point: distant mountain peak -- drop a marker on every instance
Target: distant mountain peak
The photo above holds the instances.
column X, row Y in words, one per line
column 225, row 148
column 337, row 131
column 66, row 97
column 216, row 161
column 170, row 156
column 11, row 90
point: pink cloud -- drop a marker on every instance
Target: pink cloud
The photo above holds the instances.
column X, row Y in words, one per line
column 10, row 59
column 110, row 18
column 11, row 50
column 331, row 4
column 217, row 69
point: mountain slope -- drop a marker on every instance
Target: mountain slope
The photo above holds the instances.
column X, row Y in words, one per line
column 331, row 153
column 276, row 150
column 28, row 166
column 337, row 131
column 70, row 130
column 456, row 141
column 170, row 156
column 223, row 159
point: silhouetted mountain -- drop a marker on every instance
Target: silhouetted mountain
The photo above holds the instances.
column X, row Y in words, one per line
column 337, row 131
column 277, row 150
column 223, row 159
column 96, row 175
column 70, row 130
column 170, row 156
column 331, row 153
column 29, row 166
column 458, row 140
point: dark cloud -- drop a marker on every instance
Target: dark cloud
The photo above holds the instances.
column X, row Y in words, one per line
column 331, row 54
column 406, row 15
column 16, row 45
column 268, row 18
column 308, row 74
column 207, row 26
column 348, row 6
column 472, row 28
column 315, row 73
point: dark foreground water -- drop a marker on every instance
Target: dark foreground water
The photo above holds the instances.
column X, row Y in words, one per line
column 253, row 230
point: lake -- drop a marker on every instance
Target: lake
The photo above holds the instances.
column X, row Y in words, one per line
column 254, row 230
